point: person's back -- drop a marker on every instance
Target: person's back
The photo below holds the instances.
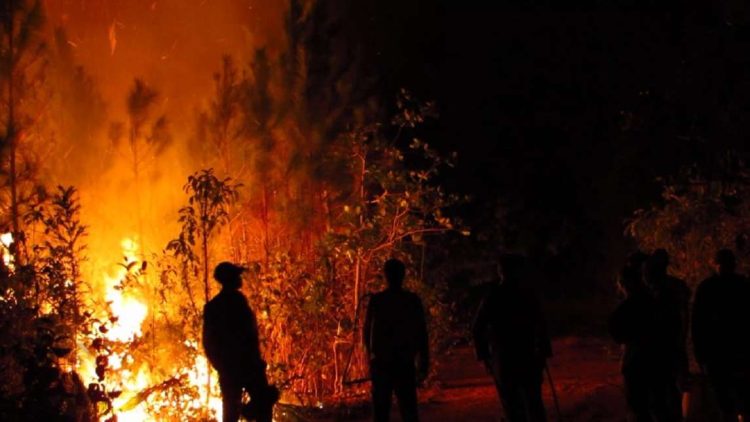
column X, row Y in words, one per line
column 395, row 336
column 720, row 321
column 510, row 336
column 672, row 298
column 646, row 332
column 517, row 336
column 721, row 336
column 396, row 326
column 635, row 325
column 230, row 338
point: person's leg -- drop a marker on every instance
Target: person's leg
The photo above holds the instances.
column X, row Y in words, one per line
column 721, row 384
column 665, row 398
column 637, row 397
column 262, row 395
column 382, row 390
column 743, row 388
column 511, row 397
column 231, row 399
column 405, row 386
column 533, row 399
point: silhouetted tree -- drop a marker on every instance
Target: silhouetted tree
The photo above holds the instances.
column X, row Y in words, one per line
column 21, row 48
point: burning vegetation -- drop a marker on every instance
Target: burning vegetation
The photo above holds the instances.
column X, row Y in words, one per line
column 288, row 165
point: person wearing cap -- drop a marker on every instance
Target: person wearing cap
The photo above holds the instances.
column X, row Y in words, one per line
column 721, row 336
column 395, row 336
column 230, row 338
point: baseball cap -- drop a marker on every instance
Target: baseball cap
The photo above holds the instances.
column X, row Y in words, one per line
column 227, row 270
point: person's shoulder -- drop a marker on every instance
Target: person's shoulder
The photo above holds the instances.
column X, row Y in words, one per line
column 742, row 281
column 413, row 297
column 742, row 278
column 230, row 298
column 375, row 298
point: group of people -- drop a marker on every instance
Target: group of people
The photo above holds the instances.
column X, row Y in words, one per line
column 394, row 335
column 654, row 322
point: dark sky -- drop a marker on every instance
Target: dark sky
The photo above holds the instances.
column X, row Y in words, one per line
column 566, row 116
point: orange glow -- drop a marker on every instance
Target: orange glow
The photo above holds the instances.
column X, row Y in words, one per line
column 130, row 377
column 6, row 239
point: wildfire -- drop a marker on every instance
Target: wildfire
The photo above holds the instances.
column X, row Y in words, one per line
column 129, row 312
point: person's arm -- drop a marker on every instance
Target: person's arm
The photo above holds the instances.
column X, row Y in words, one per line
column 684, row 308
column 544, row 344
column 423, row 363
column 699, row 329
column 209, row 340
column 249, row 327
column 480, row 327
column 618, row 324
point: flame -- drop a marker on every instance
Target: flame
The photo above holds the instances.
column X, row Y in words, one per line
column 6, row 239
column 130, row 312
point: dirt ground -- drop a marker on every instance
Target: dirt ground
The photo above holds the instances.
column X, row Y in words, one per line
column 585, row 372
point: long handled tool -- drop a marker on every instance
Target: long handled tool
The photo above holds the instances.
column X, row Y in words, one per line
column 554, row 392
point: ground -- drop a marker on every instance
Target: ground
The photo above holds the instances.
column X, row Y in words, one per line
column 585, row 372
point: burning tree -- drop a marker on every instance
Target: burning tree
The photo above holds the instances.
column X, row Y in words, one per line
column 330, row 188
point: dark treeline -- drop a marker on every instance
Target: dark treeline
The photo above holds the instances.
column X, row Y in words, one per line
column 566, row 115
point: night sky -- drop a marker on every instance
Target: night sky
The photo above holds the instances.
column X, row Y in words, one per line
column 564, row 117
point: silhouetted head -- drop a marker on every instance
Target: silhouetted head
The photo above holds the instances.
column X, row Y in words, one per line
column 229, row 275
column 660, row 260
column 511, row 268
column 655, row 267
column 394, row 271
column 636, row 260
column 630, row 281
column 726, row 261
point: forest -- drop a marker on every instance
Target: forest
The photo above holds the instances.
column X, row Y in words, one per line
column 144, row 142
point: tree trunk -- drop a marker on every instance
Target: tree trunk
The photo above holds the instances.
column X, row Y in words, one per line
column 11, row 139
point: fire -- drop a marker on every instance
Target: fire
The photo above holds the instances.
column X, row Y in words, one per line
column 6, row 239
column 129, row 312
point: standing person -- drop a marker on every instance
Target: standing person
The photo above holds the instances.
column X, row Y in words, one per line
column 395, row 336
column 510, row 336
column 721, row 336
column 230, row 338
column 637, row 324
column 672, row 297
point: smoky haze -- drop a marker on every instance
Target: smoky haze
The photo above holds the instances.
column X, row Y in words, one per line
column 175, row 46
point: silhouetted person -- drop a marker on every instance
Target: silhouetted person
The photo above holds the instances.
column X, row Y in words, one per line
column 637, row 324
column 721, row 336
column 230, row 337
column 395, row 336
column 672, row 297
column 510, row 336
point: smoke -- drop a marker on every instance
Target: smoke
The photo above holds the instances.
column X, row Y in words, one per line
column 175, row 46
